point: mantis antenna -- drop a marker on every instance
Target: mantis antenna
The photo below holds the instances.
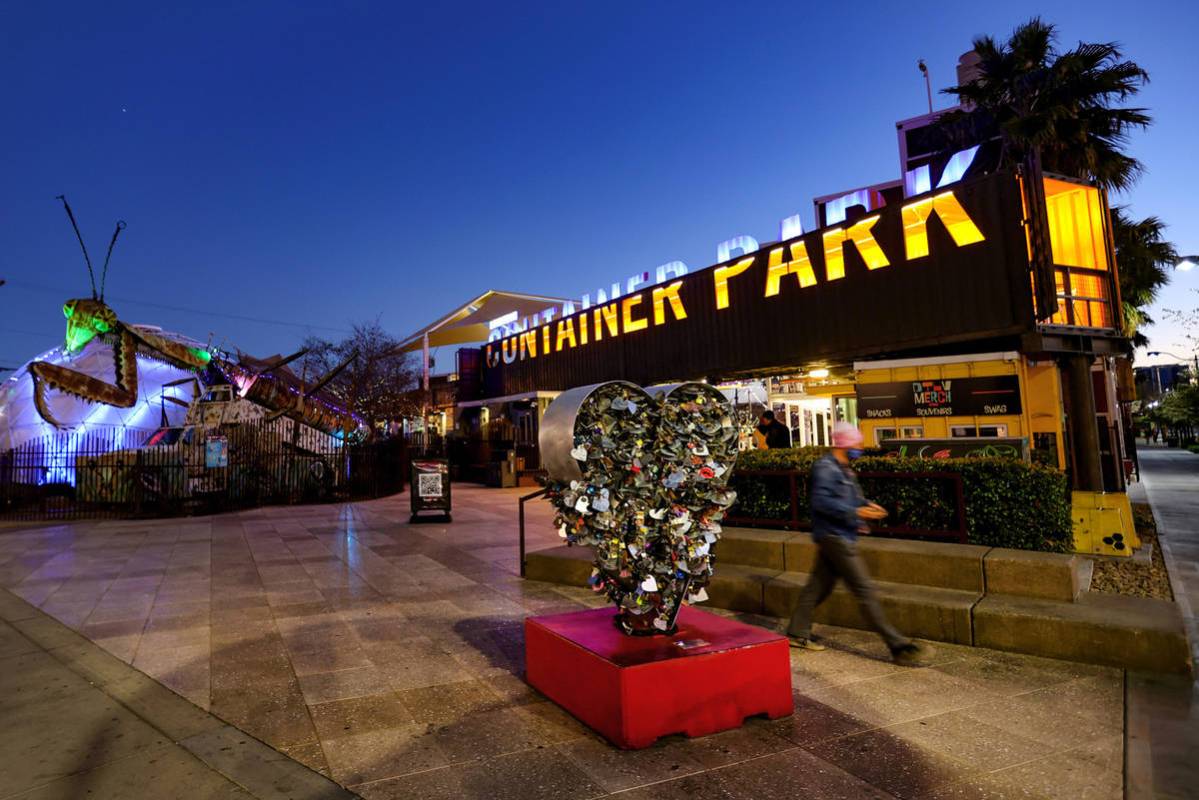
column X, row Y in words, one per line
column 104, row 274
column 82, row 246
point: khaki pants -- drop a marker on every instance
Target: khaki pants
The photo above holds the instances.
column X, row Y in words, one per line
column 838, row 559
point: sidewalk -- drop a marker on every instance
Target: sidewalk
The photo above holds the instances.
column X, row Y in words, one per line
column 1162, row 724
column 80, row 723
column 389, row 657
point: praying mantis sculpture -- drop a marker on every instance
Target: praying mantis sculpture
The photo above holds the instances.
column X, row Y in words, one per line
column 88, row 318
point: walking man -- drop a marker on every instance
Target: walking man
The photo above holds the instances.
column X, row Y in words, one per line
column 839, row 513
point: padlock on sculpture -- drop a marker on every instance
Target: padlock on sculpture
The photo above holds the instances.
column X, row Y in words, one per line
column 642, row 478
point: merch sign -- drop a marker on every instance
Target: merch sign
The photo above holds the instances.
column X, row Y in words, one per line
column 991, row 396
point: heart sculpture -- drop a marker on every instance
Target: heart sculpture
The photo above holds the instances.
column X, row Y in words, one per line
column 642, row 477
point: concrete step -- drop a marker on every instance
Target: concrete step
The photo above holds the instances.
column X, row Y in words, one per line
column 926, row 612
column 1130, row 632
column 569, row 565
column 963, row 567
column 1107, row 629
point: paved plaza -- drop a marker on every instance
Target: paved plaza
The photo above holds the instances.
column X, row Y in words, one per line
column 389, row 658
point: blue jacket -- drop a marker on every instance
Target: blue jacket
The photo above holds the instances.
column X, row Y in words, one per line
column 835, row 500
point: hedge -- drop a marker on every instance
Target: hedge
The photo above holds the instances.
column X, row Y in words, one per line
column 1008, row 503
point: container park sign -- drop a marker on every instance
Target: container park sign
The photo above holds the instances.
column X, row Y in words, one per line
column 950, row 265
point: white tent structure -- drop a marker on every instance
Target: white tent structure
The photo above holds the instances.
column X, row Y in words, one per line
column 470, row 322
column 127, row 427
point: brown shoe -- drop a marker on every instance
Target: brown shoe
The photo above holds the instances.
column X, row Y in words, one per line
column 806, row 644
column 911, row 655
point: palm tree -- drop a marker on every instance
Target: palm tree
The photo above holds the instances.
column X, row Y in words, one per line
column 1030, row 96
column 1144, row 257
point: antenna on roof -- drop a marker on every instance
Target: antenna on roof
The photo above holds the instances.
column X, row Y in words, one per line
column 82, row 246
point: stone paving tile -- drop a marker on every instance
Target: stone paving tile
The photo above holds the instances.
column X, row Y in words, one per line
column 1092, row 771
column 356, row 715
column 385, row 753
column 889, row 762
column 757, row 738
column 391, row 657
column 616, row 770
column 531, row 775
column 324, row 687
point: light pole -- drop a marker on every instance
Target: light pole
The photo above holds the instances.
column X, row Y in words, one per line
column 927, row 83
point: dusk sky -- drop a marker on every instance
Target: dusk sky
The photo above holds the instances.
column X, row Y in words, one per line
column 320, row 165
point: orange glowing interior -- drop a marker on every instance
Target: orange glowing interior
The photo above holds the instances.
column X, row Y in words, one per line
column 1080, row 256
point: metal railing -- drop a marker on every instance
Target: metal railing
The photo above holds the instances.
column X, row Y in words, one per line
column 524, row 499
column 178, row 471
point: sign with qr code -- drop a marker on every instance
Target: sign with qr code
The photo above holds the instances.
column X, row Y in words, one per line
column 431, row 486
column 428, row 485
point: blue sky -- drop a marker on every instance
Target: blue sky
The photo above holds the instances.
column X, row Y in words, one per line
column 325, row 164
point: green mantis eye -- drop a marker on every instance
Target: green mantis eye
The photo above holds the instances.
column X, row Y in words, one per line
column 101, row 326
column 68, row 310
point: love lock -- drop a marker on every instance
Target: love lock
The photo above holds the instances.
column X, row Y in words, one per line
column 642, row 478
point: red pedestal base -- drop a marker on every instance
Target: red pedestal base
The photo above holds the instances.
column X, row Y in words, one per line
column 633, row 689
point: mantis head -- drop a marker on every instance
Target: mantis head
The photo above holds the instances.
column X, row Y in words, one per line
column 87, row 318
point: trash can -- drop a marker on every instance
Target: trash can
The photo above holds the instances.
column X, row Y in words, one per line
column 430, row 489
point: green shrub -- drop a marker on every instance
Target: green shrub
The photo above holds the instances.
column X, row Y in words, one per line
column 1194, row 448
column 1008, row 503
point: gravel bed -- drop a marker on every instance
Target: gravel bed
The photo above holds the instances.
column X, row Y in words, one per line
column 1118, row 575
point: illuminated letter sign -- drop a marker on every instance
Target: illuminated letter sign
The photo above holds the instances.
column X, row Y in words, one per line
column 746, row 244
column 953, row 216
column 609, row 316
column 528, row 344
column 666, row 303
column 628, row 322
column 668, row 294
column 566, row 333
column 721, row 278
column 800, row 266
column 858, row 233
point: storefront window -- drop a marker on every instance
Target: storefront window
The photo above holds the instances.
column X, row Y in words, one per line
column 847, row 410
column 985, row 431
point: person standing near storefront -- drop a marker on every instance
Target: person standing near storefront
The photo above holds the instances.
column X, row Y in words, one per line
column 839, row 513
column 773, row 434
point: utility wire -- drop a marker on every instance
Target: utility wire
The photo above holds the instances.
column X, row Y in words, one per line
column 32, row 287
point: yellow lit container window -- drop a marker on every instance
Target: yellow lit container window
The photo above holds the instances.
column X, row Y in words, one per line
column 1101, row 315
column 1061, row 316
column 1093, row 286
column 1075, row 225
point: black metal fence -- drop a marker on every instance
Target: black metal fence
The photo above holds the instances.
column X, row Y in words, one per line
column 179, row 471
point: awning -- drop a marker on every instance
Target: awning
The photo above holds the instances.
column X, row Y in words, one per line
column 508, row 398
column 468, row 323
